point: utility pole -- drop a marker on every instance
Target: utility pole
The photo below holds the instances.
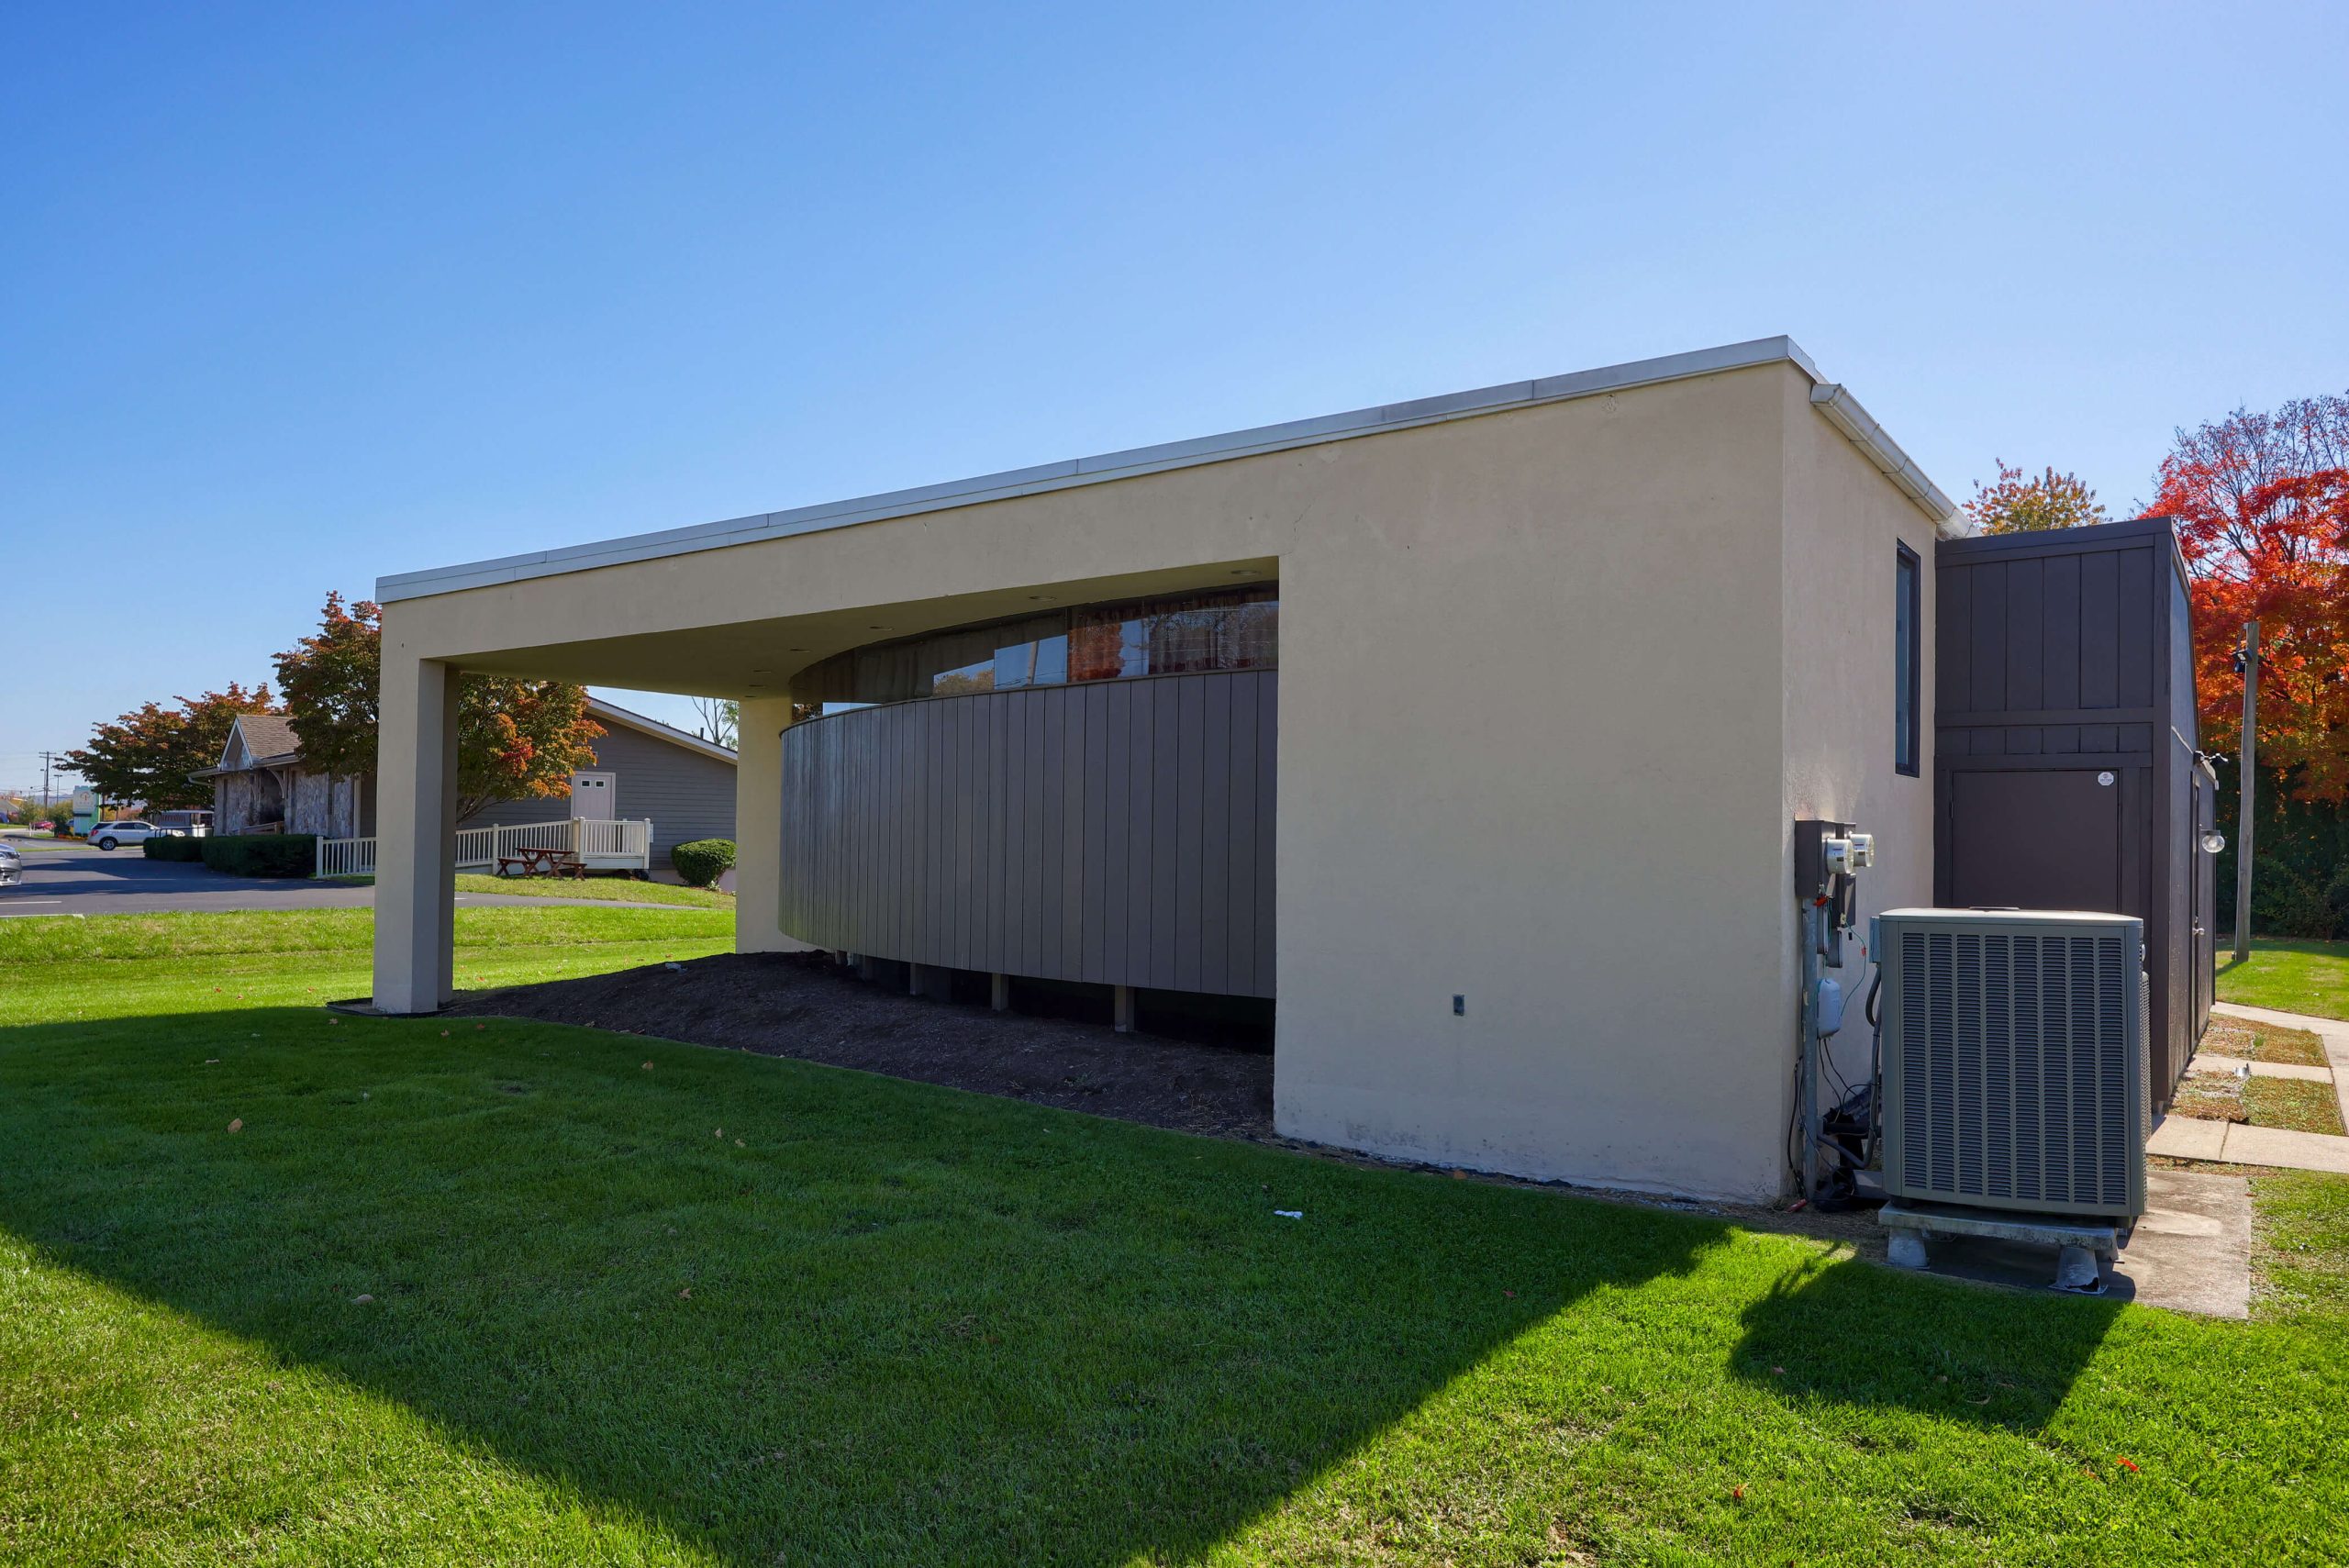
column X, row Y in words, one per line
column 2247, row 661
column 46, row 758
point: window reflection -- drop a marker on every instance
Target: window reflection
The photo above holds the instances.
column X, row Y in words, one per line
column 979, row 677
column 1237, row 630
column 1043, row 662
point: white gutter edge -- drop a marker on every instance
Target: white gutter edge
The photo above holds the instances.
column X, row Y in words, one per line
column 652, row 729
column 1843, row 412
column 1139, row 460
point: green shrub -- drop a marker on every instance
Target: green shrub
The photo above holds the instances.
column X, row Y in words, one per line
column 2285, row 902
column 173, row 848
column 261, row 854
column 704, row 860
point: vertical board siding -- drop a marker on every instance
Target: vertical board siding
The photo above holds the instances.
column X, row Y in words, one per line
column 2072, row 650
column 1119, row 832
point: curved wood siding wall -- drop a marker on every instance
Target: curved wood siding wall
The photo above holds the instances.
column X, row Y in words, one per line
column 1119, row 832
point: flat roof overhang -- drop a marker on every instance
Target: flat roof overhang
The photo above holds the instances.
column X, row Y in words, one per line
column 759, row 657
column 733, row 656
column 1834, row 403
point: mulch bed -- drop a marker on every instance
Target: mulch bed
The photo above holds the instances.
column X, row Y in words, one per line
column 802, row 1006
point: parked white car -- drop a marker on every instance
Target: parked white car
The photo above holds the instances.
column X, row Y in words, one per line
column 106, row 835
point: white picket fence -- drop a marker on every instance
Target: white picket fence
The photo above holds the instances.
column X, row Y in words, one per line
column 601, row 845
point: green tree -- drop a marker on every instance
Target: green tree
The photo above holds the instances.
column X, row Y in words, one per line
column 148, row 753
column 2018, row 506
column 516, row 739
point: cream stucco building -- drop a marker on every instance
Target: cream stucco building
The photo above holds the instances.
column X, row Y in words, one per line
column 1471, row 731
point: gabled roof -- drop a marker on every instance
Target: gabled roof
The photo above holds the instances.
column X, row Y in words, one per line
column 607, row 713
column 269, row 738
column 1834, row 403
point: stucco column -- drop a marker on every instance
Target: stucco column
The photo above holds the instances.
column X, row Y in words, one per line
column 415, row 845
column 758, row 827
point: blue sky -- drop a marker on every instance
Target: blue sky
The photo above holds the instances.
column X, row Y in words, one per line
column 294, row 297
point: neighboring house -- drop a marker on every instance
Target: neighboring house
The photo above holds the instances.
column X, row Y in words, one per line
column 1472, row 731
column 643, row 769
column 683, row 783
column 260, row 785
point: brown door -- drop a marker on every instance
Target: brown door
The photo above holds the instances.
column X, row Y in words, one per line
column 2036, row 839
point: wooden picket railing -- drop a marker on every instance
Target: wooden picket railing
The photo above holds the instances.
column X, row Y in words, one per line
column 601, row 845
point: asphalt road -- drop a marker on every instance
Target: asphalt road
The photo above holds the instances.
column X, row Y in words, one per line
column 85, row 880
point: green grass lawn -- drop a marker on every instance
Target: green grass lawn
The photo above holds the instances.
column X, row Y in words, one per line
column 505, row 1293
column 618, row 889
column 2294, row 976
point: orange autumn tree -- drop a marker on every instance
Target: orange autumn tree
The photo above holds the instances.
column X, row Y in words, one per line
column 2018, row 506
column 516, row 739
column 2262, row 505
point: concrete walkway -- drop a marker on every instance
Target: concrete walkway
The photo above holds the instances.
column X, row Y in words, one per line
column 2193, row 1138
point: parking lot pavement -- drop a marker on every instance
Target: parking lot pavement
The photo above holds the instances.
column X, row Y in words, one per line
column 86, row 881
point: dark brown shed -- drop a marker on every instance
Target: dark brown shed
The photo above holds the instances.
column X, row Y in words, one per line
column 2066, row 774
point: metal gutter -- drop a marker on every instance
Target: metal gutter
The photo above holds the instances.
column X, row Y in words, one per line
column 612, row 713
column 1137, row 460
column 1843, row 412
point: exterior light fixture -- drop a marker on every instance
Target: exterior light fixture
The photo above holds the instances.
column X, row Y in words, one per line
column 2213, row 841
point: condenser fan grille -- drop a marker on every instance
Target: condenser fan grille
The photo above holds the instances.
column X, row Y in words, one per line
column 2014, row 1055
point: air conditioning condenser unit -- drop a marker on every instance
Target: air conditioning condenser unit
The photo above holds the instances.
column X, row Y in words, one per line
column 2015, row 1059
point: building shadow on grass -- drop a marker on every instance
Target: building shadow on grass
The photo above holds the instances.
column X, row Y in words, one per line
column 892, row 1323
column 1860, row 1334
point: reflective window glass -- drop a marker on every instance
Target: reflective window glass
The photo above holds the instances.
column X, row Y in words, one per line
column 977, row 677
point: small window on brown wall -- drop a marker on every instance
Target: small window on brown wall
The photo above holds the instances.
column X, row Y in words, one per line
column 1908, row 642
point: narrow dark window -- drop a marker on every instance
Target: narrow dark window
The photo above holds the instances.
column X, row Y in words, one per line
column 1905, row 643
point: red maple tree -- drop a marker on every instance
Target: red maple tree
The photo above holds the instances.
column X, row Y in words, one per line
column 2262, row 505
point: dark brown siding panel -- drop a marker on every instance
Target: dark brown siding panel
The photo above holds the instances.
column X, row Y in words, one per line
column 1119, row 832
column 2100, row 630
column 2062, row 673
column 2134, row 632
column 2067, row 651
column 2026, row 642
column 1954, row 614
column 1987, row 647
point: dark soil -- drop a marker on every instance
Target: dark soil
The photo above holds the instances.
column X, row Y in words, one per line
column 801, row 1005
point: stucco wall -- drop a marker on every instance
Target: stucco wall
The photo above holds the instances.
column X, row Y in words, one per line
column 1531, row 747
column 758, row 826
column 1844, row 527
